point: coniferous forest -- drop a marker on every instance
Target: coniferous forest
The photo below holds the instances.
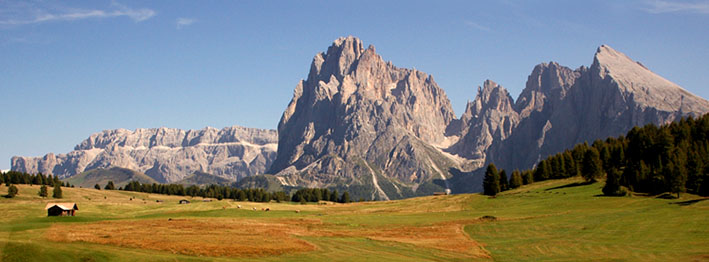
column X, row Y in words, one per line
column 211, row 191
column 650, row 159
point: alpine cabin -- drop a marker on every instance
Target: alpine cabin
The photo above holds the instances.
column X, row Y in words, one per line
column 61, row 209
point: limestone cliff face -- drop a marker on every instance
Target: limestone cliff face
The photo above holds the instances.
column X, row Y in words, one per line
column 490, row 117
column 560, row 107
column 166, row 154
column 362, row 123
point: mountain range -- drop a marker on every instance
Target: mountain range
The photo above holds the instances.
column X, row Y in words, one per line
column 165, row 154
column 361, row 124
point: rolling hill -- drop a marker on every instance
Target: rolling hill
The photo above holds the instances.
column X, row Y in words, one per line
column 119, row 176
column 202, row 178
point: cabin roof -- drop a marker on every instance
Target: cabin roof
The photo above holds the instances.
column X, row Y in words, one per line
column 64, row 206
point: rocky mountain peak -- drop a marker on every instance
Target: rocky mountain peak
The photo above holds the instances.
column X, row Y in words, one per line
column 339, row 60
column 489, row 117
column 359, row 116
column 637, row 82
column 490, row 96
column 546, row 80
column 495, row 96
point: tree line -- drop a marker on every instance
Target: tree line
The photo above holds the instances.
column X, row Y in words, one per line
column 14, row 177
column 316, row 194
column 211, row 191
column 11, row 178
column 650, row 159
column 227, row 192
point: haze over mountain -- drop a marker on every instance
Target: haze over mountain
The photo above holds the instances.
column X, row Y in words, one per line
column 361, row 124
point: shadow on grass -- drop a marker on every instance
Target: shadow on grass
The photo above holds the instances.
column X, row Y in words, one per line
column 688, row 202
column 571, row 185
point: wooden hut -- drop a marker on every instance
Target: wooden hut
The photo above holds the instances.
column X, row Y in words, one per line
column 61, row 209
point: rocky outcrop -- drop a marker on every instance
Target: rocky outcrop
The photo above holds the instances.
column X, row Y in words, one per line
column 561, row 107
column 490, row 117
column 364, row 125
column 165, row 154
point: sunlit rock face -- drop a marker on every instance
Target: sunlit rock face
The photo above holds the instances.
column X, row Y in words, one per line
column 166, row 154
column 360, row 122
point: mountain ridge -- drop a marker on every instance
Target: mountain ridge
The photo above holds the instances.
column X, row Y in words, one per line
column 165, row 154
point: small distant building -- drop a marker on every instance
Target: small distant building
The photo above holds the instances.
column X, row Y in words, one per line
column 61, row 209
column 440, row 193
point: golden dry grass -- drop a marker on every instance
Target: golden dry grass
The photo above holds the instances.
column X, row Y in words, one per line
column 227, row 237
column 447, row 236
column 200, row 237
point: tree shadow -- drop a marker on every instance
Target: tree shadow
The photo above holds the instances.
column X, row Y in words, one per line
column 575, row 184
column 688, row 202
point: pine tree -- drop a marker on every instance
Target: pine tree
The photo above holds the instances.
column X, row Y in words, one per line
column 570, row 165
column 678, row 174
column 695, row 171
column 43, row 191
column 57, row 191
column 333, row 196
column 37, row 179
column 97, row 187
column 612, row 187
column 504, row 183
column 12, row 191
column 345, row 197
column 326, row 194
column 592, row 166
column 110, row 186
column 516, row 180
column 527, row 177
column 605, row 156
column 491, row 182
column 543, row 171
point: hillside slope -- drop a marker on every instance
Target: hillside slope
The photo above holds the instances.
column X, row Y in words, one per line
column 546, row 221
column 119, row 176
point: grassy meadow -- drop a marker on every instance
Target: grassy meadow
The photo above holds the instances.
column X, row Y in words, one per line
column 559, row 220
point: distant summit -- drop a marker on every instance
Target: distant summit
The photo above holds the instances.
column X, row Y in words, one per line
column 165, row 154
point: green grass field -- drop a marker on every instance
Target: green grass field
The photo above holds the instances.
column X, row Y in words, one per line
column 540, row 222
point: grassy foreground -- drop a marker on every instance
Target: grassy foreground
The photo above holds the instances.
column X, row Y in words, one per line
column 547, row 221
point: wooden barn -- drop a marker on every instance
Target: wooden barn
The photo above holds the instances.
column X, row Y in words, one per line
column 61, row 209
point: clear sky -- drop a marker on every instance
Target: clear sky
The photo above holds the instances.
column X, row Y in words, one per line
column 70, row 69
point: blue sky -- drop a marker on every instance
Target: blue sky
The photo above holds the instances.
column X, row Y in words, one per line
column 70, row 69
